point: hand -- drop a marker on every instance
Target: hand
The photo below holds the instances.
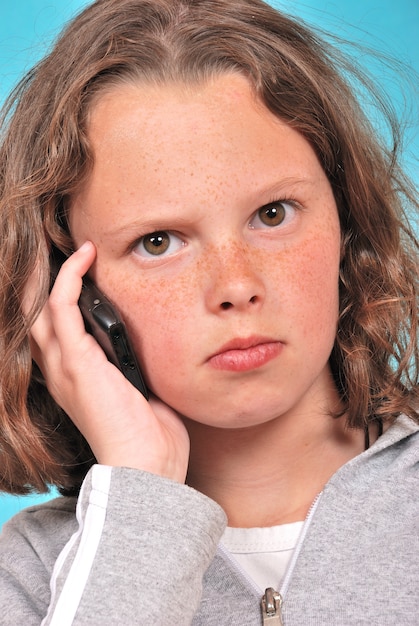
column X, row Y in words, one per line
column 121, row 427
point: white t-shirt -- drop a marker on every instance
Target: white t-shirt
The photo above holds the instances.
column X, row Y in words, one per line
column 263, row 553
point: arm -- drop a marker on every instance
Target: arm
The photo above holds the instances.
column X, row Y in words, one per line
column 137, row 555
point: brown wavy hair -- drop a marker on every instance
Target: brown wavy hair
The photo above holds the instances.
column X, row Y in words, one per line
column 45, row 156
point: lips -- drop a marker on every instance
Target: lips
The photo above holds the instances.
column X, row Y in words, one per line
column 245, row 354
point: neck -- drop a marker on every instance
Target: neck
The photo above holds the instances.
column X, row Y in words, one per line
column 269, row 474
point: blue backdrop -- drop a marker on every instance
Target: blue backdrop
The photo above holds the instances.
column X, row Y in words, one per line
column 27, row 28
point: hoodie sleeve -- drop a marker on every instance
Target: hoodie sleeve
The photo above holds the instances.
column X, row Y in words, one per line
column 138, row 555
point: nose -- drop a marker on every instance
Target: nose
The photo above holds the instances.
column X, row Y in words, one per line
column 234, row 280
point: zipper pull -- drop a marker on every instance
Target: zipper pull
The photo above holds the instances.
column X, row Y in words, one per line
column 271, row 607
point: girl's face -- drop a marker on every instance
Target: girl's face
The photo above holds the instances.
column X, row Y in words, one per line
column 218, row 240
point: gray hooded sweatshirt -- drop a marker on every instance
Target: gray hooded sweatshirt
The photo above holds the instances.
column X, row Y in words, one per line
column 138, row 549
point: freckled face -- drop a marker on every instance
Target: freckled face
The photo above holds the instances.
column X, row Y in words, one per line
column 218, row 239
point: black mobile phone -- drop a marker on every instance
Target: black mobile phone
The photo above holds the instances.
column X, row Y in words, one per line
column 104, row 323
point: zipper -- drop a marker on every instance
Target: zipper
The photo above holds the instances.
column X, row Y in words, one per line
column 272, row 600
column 271, row 608
column 301, row 539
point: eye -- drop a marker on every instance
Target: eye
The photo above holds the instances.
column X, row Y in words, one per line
column 273, row 214
column 159, row 243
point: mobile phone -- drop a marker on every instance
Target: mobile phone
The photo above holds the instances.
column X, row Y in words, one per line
column 103, row 322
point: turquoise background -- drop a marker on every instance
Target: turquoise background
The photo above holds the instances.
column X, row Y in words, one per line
column 27, row 28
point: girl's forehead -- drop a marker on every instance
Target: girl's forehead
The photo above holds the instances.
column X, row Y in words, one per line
column 225, row 91
column 201, row 116
column 203, row 123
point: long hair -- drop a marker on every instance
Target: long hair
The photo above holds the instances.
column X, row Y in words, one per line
column 45, row 156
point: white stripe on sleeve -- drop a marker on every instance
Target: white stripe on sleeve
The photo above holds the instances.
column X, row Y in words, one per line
column 88, row 535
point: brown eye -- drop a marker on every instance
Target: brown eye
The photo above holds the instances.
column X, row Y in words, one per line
column 156, row 243
column 272, row 214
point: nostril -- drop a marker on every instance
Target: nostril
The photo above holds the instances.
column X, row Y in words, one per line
column 226, row 305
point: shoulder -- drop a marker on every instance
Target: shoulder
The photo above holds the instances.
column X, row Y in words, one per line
column 39, row 531
column 398, row 448
column 29, row 546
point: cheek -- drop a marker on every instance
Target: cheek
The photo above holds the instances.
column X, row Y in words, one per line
column 314, row 292
column 159, row 320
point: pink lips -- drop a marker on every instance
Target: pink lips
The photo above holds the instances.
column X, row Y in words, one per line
column 241, row 355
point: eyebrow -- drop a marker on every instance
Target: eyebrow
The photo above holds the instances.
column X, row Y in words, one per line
column 147, row 225
column 290, row 181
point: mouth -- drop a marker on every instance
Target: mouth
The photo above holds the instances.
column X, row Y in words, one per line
column 245, row 354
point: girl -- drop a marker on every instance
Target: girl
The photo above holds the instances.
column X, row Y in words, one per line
column 205, row 162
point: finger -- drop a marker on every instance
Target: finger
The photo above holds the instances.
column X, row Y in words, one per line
column 67, row 285
column 61, row 313
column 63, row 301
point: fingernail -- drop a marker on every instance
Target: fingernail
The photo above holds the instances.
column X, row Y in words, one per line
column 85, row 246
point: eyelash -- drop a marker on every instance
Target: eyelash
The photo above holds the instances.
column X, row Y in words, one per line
column 288, row 203
column 164, row 240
